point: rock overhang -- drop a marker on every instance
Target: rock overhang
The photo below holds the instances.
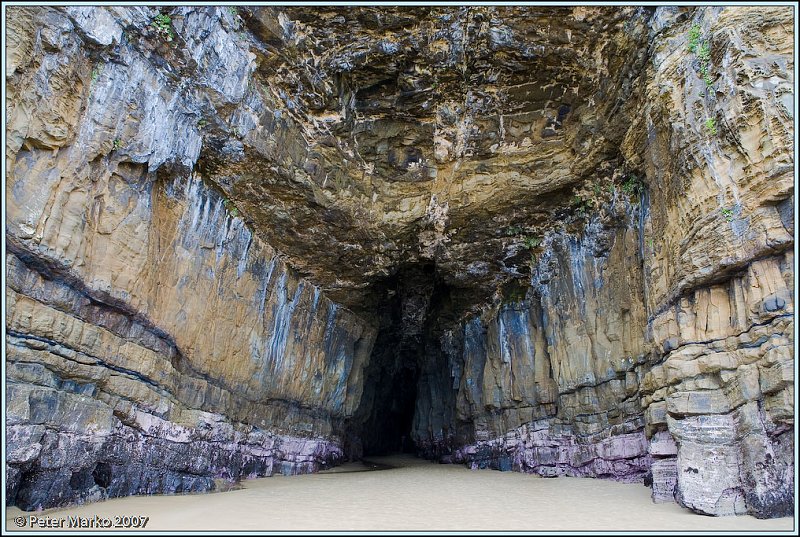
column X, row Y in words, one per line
column 457, row 136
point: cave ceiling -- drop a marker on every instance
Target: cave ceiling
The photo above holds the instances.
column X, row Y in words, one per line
column 456, row 136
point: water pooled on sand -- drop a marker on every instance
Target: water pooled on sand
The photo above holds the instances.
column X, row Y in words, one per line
column 416, row 495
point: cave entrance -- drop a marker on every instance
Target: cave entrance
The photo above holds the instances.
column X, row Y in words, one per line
column 406, row 318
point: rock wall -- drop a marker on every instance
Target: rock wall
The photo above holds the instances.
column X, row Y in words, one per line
column 569, row 230
column 154, row 343
column 719, row 275
column 549, row 383
column 663, row 350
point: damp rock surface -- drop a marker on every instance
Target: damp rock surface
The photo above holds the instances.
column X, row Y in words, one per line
column 264, row 240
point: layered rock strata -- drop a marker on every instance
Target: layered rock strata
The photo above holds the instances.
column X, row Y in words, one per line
column 551, row 240
column 549, row 382
column 685, row 337
column 154, row 343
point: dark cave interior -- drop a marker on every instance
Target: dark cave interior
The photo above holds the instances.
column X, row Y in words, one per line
column 410, row 324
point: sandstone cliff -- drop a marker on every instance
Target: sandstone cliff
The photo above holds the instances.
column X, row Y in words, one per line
column 259, row 240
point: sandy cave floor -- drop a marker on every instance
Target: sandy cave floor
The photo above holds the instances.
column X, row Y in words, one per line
column 414, row 495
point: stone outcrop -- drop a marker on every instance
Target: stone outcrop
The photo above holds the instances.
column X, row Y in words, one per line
column 679, row 327
column 246, row 241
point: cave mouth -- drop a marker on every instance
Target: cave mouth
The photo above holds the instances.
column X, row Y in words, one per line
column 398, row 414
column 409, row 320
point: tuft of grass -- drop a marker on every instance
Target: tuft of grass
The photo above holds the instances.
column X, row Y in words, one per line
column 116, row 144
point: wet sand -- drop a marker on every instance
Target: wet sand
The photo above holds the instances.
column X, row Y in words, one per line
column 416, row 495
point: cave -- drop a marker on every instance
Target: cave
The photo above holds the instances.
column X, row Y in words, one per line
column 259, row 240
column 405, row 317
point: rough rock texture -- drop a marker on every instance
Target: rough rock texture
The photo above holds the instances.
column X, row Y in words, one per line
column 719, row 276
column 253, row 240
column 152, row 338
column 679, row 328
column 427, row 135
column 549, row 383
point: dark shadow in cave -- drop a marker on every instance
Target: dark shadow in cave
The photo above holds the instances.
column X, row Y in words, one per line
column 384, row 420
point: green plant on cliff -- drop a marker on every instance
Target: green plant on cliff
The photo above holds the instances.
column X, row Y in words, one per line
column 711, row 126
column 531, row 242
column 727, row 213
column 582, row 205
column 694, row 37
column 230, row 207
column 513, row 230
column 632, row 185
column 514, row 291
column 704, row 54
column 703, row 51
column 163, row 25
column 116, row 144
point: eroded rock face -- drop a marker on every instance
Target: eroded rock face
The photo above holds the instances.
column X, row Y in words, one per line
column 259, row 240
column 678, row 327
column 152, row 337
column 548, row 383
column 427, row 135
